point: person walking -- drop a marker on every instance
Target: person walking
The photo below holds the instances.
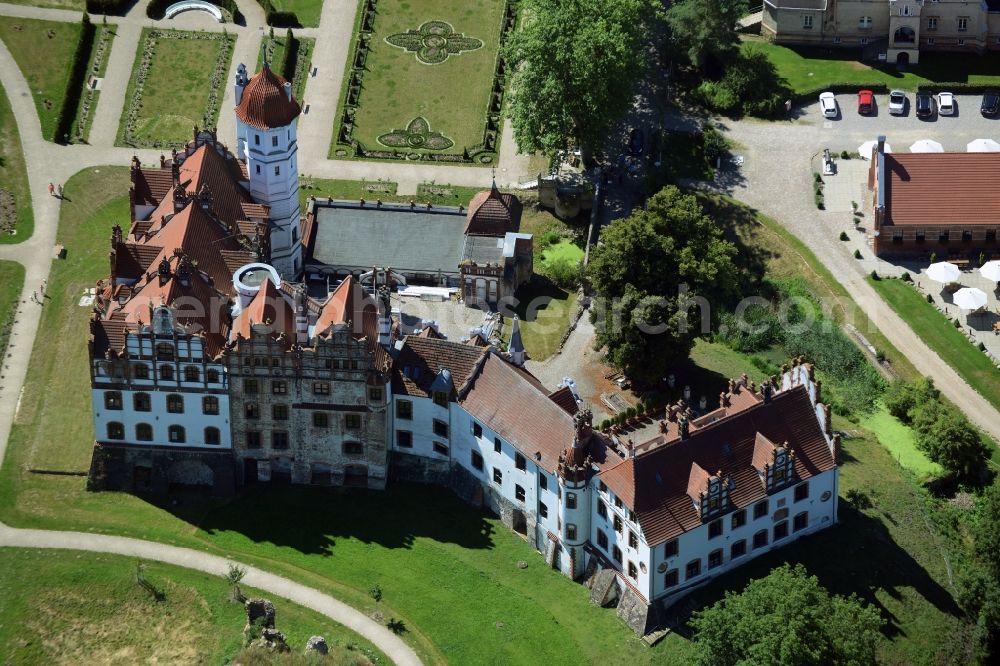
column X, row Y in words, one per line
column 34, row 296
column 60, row 192
column 52, row 190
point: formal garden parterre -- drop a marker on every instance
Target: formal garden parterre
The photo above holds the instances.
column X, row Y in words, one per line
column 177, row 83
column 425, row 82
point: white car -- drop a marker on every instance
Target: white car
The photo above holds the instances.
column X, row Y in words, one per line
column 946, row 104
column 897, row 103
column 828, row 104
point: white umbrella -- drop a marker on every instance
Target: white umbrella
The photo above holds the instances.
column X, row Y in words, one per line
column 943, row 272
column 866, row 149
column 926, row 146
column 970, row 298
column 991, row 270
column 983, row 146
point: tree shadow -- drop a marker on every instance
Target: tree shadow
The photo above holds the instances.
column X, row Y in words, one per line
column 312, row 519
column 855, row 556
column 739, row 222
column 534, row 297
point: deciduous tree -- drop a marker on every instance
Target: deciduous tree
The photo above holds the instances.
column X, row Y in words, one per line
column 705, row 31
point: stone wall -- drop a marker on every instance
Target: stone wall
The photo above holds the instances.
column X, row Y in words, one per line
column 151, row 470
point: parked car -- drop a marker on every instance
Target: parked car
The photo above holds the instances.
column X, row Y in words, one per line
column 828, row 104
column 946, row 104
column 897, row 103
column 924, row 105
column 866, row 102
column 991, row 103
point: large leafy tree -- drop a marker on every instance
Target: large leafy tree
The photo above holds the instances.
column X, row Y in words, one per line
column 705, row 31
column 948, row 439
column 787, row 618
column 660, row 275
column 575, row 64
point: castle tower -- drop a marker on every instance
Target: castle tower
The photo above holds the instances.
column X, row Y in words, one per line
column 266, row 114
column 574, row 482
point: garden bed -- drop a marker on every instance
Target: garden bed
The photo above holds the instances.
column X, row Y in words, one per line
column 177, row 83
column 292, row 63
column 16, row 217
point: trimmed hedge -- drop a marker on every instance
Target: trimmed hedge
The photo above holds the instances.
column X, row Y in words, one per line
column 76, row 80
column 291, row 56
column 112, row 7
column 838, row 89
column 158, row 8
column 278, row 19
column 958, row 88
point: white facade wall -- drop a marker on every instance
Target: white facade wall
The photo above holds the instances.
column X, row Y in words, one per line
column 421, row 426
column 192, row 419
column 639, row 555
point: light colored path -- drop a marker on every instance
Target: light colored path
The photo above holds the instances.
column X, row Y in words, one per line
column 394, row 648
column 245, row 51
column 111, row 101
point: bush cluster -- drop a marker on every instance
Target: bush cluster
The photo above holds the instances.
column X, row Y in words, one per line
column 76, row 81
column 112, row 7
column 750, row 86
column 278, row 19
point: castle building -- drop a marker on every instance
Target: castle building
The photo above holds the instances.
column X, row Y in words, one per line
column 902, row 28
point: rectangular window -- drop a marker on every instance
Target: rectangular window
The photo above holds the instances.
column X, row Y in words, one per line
column 966, row 236
column 932, row 23
column 602, row 509
column 321, row 420
column 258, row 169
column 141, row 402
column 353, row 448
column 715, row 558
column 801, row 491
column 633, row 540
column 738, row 549
column 618, row 502
column 277, row 170
column 279, row 387
column 715, row 529
column 739, row 519
column 760, row 539
column 760, row 510
column 616, row 553
column 807, row 22
column 440, row 429
column 210, row 405
column 112, row 399
column 497, row 476
column 477, row 461
column 252, row 410
column 140, row 371
column 693, row 569
column 943, row 237
column 920, row 236
column 930, row 41
column 404, row 410
column 279, row 440
column 321, row 388
column 602, row 487
column 618, row 524
column 250, row 386
column 963, row 24
column 897, row 236
column 781, row 530
column 520, row 462
column 570, row 500
column 571, row 531
column 865, row 22
column 801, row 521
column 404, row 439
column 602, row 540
column 477, row 430
column 440, row 398
column 670, row 548
column 670, row 579
column 175, row 404
column 497, row 446
column 253, row 439
column 864, row 40
column 279, row 412
column 440, row 448
column 518, row 493
column 375, row 395
column 256, row 139
column 632, row 571
column 543, row 510
column 543, row 481
column 274, row 141
column 352, row 421
column 991, row 235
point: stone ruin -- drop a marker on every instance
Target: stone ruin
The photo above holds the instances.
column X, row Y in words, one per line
column 260, row 612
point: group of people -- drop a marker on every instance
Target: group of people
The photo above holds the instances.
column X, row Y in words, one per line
column 54, row 188
column 41, row 290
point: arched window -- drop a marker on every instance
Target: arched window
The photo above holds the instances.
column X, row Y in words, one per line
column 210, row 405
column 164, row 352
column 175, row 434
column 113, row 399
column 140, row 371
column 175, row 403
column 167, row 373
column 116, row 430
column 144, row 432
column 212, row 376
column 141, row 402
column 191, row 373
column 212, row 436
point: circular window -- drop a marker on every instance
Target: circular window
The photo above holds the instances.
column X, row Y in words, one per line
column 642, row 567
column 662, row 568
column 825, row 496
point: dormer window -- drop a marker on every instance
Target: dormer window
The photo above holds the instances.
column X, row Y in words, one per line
column 708, row 492
column 775, row 465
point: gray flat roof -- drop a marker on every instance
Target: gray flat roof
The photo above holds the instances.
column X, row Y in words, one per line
column 409, row 240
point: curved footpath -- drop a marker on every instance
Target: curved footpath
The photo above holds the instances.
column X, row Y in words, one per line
column 389, row 643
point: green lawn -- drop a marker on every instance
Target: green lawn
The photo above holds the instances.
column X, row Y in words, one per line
column 54, row 4
column 44, row 52
column 13, row 179
column 307, row 11
column 177, row 91
column 59, row 606
column 564, row 250
column 937, row 331
column 446, row 195
column 11, row 283
column 300, row 67
column 808, row 69
column 370, row 190
column 900, row 440
column 452, row 96
column 545, row 310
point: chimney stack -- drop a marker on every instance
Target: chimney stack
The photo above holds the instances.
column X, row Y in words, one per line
column 288, row 90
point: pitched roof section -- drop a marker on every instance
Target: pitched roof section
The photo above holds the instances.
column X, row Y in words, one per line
column 493, row 213
column 565, row 399
column 345, row 305
column 942, row 188
column 267, row 307
column 420, row 360
column 265, row 104
column 655, row 484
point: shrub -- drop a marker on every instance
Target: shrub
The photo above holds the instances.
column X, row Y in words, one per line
column 605, row 424
column 817, row 177
column 757, row 330
column 957, row 323
column 905, row 277
column 930, row 299
column 713, row 143
column 750, row 86
column 857, row 254
column 819, row 201
column 875, row 275
column 843, row 236
column 858, row 498
column 901, row 398
column 565, row 272
column 844, row 155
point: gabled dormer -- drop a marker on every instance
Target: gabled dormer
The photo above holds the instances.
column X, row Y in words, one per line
column 708, row 492
column 775, row 464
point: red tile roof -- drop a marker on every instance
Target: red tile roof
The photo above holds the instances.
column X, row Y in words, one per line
column 655, row 484
column 564, row 398
column 492, row 213
column 942, row 188
column 265, row 104
column 350, row 304
column 420, row 360
column 267, row 307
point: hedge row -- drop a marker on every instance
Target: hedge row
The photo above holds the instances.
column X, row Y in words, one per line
column 278, row 19
column 76, row 80
column 291, row 56
column 959, row 88
column 112, row 7
column 838, row 89
column 158, row 8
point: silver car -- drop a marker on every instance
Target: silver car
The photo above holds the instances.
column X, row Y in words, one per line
column 897, row 103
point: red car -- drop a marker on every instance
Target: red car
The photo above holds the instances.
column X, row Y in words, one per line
column 866, row 102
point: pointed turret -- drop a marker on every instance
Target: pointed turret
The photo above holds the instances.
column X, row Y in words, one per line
column 516, row 346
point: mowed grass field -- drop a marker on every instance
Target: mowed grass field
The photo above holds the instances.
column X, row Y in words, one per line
column 452, row 96
column 307, row 11
column 175, row 95
column 60, row 607
column 44, row 52
column 53, row 4
column 11, row 283
column 937, row 331
column 14, row 175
